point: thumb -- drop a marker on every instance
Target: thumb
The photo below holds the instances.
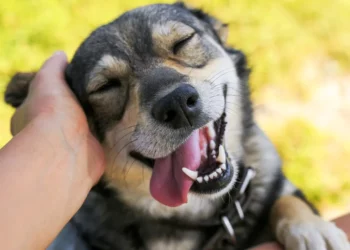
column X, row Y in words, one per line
column 51, row 75
column 55, row 64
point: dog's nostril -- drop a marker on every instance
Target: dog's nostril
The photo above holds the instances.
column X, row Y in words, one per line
column 169, row 116
column 192, row 101
column 179, row 109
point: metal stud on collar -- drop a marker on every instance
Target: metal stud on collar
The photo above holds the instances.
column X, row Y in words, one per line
column 228, row 227
column 249, row 176
column 224, row 219
column 239, row 209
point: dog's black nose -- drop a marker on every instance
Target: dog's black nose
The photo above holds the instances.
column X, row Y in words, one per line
column 178, row 109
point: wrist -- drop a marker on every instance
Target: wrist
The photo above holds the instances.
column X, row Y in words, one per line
column 52, row 166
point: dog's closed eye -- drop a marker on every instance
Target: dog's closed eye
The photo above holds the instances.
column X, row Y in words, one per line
column 110, row 84
column 182, row 42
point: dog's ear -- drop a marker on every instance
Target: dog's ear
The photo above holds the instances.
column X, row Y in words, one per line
column 17, row 89
column 219, row 29
column 240, row 61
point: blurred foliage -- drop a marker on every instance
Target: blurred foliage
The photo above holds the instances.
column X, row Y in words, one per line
column 278, row 36
column 313, row 161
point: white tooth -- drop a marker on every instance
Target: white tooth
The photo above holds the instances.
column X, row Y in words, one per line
column 215, row 175
column 206, row 178
column 211, row 131
column 211, row 176
column 221, row 156
column 223, row 166
column 200, row 179
column 219, row 170
column 212, row 144
column 190, row 173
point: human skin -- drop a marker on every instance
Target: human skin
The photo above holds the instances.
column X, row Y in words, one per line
column 342, row 222
column 49, row 166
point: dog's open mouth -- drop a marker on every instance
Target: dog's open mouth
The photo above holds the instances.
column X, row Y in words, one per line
column 200, row 165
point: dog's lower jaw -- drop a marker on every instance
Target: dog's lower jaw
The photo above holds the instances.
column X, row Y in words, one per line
column 220, row 194
column 197, row 207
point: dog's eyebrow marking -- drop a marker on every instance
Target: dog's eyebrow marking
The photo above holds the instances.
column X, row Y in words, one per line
column 107, row 67
column 171, row 28
column 165, row 34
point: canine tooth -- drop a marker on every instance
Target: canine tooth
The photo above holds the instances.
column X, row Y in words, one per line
column 211, row 131
column 200, row 179
column 219, row 170
column 223, row 166
column 190, row 173
column 206, row 178
column 221, row 156
column 212, row 144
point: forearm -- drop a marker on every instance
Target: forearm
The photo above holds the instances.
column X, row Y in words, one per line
column 35, row 179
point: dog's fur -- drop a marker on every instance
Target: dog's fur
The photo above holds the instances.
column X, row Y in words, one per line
column 119, row 213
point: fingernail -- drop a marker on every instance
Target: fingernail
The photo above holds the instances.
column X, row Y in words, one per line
column 57, row 53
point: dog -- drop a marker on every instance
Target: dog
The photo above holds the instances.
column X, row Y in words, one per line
column 187, row 165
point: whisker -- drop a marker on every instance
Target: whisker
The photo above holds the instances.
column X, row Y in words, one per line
column 215, row 85
column 119, row 139
column 143, row 173
column 132, row 163
column 218, row 73
column 126, row 144
column 129, row 127
column 213, row 81
column 228, row 109
column 124, row 170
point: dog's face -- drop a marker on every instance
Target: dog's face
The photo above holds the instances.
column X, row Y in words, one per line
column 163, row 96
column 159, row 88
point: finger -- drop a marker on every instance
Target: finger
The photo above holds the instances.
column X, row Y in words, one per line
column 48, row 81
column 50, row 78
column 56, row 63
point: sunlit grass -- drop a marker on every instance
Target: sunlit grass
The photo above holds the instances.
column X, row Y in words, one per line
column 314, row 160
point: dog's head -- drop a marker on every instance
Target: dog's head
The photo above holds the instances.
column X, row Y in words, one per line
column 165, row 97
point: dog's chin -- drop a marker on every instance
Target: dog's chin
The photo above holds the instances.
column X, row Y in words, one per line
column 217, row 172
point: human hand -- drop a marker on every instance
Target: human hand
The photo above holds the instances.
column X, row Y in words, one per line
column 51, row 101
column 49, row 95
column 50, row 165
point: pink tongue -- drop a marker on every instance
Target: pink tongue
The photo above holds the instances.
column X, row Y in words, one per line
column 169, row 185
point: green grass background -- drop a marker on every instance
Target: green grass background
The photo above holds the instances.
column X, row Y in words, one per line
column 280, row 37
